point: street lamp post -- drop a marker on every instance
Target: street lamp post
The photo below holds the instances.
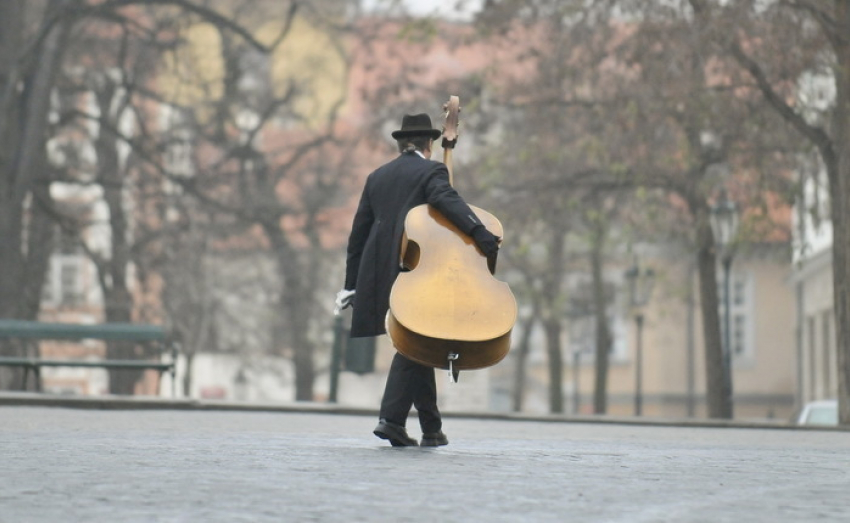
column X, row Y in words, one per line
column 724, row 226
column 240, row 385
column 580, row 330
column 640, row 285
column 576, row 377
column 336, row 357
column 639, row 365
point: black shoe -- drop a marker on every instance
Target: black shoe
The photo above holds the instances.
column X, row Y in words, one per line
column 434, row 439
column 395, row 433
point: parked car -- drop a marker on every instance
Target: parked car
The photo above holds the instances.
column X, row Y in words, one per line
column 822, row 412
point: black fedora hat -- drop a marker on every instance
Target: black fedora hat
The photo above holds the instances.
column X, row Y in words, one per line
column 416, row 125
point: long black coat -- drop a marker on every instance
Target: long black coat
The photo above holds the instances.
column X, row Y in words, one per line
column 375, row 242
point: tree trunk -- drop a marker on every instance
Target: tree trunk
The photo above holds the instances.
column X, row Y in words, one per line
column 11, row 130
column 24, row 105
column 197, row 333
column 118, row 300
column 299, row 320
column 552, row 327
column 39, row 246
column 187, row 375
column 296, row 298
column 719, row 399
column 840, row 188
column 603, row 332
column 834, row 19
column 521, row 359
column 122, row 381
column 552, row 312
column 23, row 124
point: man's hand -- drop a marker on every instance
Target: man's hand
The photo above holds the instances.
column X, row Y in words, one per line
column 486, row 241
column 344, row 299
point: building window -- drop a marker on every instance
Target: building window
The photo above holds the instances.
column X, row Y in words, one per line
column 739, row 333
column 63, row 280
column 739, row 291
column 69, row 281
column 178, row 155
column 581, row 327
column 813, row 379
column 741, row 338
column 63, row 285
column 177, row 126
column 581, row 333
column 827, row 352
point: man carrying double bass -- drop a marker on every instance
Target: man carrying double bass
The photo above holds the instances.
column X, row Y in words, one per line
column 373, row 263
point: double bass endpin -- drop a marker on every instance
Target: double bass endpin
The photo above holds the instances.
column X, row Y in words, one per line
column 453, row 374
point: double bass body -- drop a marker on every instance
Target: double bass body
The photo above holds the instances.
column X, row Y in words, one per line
column 447, row 310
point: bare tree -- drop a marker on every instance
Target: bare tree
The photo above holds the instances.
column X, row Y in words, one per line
column 560, row 122
column 660, row 114
column 30, row 55
column 693, row 118
column 282, row 162
column 43, row 48
column 776, row 44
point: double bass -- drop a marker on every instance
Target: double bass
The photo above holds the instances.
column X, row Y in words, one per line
column 447, row 310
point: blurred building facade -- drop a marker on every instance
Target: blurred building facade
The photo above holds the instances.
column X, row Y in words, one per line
column 226, row 365
column 673, row 362
column 813, row 287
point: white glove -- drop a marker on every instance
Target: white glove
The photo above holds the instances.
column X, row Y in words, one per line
column 344, row 299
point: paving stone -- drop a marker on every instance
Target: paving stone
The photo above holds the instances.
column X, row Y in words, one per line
column 70, row 465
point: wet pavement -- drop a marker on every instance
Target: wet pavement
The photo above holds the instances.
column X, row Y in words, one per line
column 70, row 465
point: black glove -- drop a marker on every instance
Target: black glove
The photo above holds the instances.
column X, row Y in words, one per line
column 486, row 241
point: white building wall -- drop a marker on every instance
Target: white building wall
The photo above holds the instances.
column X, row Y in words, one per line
column 813, row 236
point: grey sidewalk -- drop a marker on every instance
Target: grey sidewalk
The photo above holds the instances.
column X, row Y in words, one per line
column 176, row 465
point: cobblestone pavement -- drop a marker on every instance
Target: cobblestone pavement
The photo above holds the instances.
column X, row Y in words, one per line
column 66, row 465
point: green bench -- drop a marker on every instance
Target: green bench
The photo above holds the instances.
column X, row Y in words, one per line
column 129, row 332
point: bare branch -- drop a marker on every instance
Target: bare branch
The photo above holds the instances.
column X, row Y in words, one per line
column 206, row 13
column 816, row 134
column 830, row 26
column 287, row 25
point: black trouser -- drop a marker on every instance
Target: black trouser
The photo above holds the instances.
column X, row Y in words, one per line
column 411, row 384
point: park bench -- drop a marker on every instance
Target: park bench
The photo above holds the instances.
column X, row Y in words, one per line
column 129, row 332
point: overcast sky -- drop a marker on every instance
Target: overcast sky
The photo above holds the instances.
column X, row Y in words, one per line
column 449, row 9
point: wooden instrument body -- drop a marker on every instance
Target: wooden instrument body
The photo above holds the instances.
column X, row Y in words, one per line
column 448, row 302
